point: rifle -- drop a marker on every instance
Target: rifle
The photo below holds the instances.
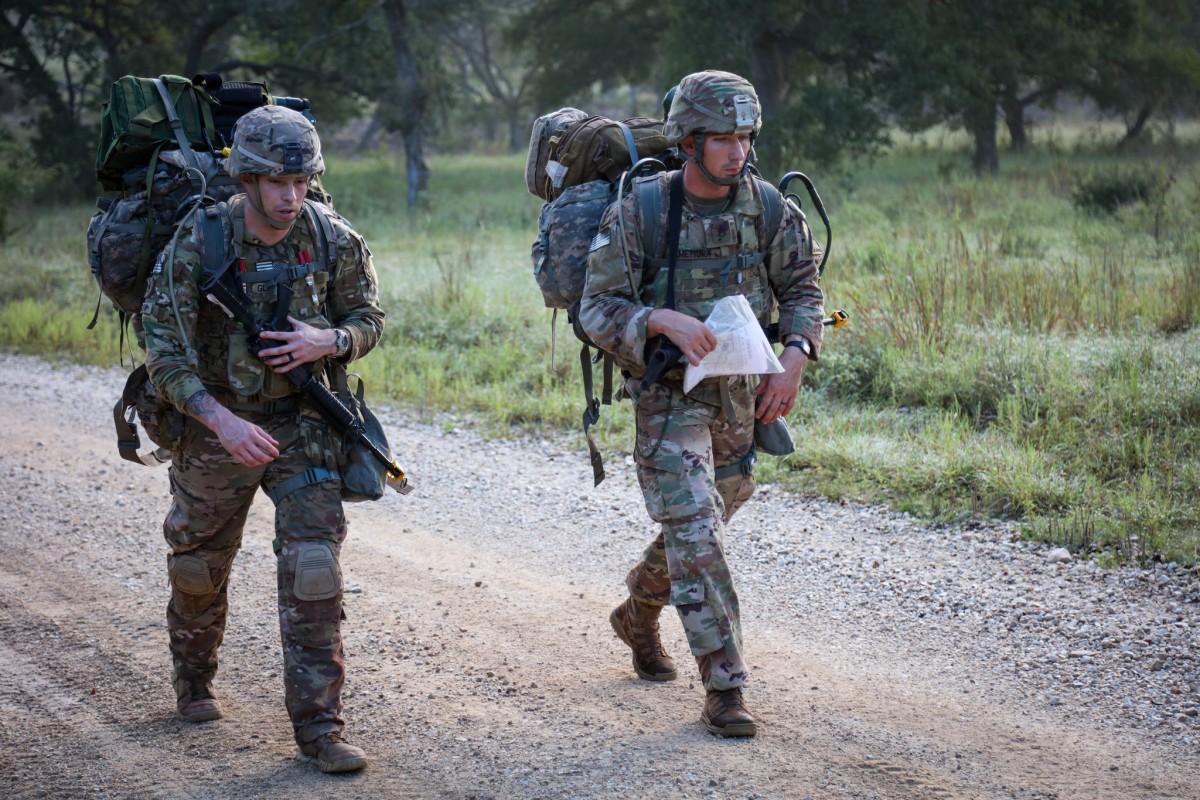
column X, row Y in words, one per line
column 226, row 290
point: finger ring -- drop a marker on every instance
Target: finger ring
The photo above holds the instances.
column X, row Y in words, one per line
column 290, row 357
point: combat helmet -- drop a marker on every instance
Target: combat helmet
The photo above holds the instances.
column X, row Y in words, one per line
column 275, row 141
column 713, row 102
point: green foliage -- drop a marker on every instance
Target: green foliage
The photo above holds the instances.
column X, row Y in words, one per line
column 1106, row 192
column 956, row 62
column 579, row 44
column 1006, row 357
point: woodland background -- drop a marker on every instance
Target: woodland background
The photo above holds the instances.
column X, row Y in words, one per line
column 1012, row 183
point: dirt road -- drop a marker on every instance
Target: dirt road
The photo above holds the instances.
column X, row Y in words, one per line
column 889, row 660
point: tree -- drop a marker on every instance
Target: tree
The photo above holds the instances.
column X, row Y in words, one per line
column 493, row 79
column 1154, row 68
column 578, row 44
column 62, row 54
column 406, row 107
column 959, row 61
column 816, row 101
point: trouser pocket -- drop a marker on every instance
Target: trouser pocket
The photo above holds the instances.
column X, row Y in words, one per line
column 318, row 443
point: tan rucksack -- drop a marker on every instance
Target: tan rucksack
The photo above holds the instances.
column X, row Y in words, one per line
column 569, row 148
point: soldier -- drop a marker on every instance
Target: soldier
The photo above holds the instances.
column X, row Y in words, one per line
column 247, row 427
column 694, row 451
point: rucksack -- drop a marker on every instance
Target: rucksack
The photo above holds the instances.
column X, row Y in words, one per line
column 577, row 163
column 158, row 157
column 576, row 202
column 568, row 148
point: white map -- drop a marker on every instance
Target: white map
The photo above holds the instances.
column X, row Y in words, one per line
column 742, row 347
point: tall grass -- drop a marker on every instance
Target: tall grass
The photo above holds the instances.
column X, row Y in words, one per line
column 1010, row 354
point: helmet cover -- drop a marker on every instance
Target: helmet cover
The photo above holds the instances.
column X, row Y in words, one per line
column 275, row 141
column 713, row 102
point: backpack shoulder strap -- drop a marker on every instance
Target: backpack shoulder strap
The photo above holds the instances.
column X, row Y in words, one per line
column 324, row 237
column 650, row 205
column 630, row 144
column 211, row 229
column 772, row 203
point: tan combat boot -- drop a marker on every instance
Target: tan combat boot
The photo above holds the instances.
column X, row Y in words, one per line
column 725, row 714
column 332, row 754
column 195, row 701
column 636, row 624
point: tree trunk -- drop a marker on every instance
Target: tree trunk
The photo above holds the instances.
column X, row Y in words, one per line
column 518, row 129
column 768, row 73
column 981, row 122
column 202, row 33
column 1014, row 118
column 408, row 100
column 1134, row 129
column 768, row 65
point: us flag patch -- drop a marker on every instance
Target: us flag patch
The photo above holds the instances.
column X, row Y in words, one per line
column 601, row 239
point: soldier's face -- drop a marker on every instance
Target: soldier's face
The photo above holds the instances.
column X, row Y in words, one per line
column 726, row 153
column 281, row 198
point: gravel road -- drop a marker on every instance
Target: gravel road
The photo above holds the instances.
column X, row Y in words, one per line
column 890, row 660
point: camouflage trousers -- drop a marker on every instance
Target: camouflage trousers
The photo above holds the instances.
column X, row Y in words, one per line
column 692, row 458
column 211, row 497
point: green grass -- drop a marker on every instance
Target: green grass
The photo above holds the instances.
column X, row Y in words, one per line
column 1009, row 355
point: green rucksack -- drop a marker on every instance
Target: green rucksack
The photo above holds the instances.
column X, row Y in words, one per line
column 144, row 115
column 159, row 155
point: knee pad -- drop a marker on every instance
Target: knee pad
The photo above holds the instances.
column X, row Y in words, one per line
column 190, row 575
column 318, row 575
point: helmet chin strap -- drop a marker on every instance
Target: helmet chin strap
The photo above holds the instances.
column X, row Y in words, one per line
column 698, row 158
column 254, row 198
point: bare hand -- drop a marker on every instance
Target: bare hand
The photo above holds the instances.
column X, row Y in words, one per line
column 249, row 444
column 692, row 336
column 301, row 345
column 777, row 391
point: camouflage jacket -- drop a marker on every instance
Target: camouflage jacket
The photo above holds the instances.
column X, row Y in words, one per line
column 619, row 297
column 348, row 299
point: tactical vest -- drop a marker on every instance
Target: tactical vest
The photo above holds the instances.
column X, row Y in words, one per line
column 719, row 256
column 291, row 278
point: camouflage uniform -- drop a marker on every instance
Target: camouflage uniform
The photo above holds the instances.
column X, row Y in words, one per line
column 694, row 451
column 212, row 493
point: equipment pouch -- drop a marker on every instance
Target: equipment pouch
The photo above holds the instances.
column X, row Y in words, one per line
column 364, row 477
column 774, row 439
column 162, row 421
column 317, row 443
column 244, row 371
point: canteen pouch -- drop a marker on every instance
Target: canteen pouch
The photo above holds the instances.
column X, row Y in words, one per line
column 774, row 438
column 364, row 477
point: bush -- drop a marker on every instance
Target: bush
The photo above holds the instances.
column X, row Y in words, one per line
column 1104, row 193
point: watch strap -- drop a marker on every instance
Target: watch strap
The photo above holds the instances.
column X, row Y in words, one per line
column 803, row 344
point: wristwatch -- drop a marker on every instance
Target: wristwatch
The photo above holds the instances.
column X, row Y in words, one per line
column 804, row 346
column 341, row 343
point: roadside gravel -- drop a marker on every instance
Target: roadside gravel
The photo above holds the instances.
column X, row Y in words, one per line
column 890, row 659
